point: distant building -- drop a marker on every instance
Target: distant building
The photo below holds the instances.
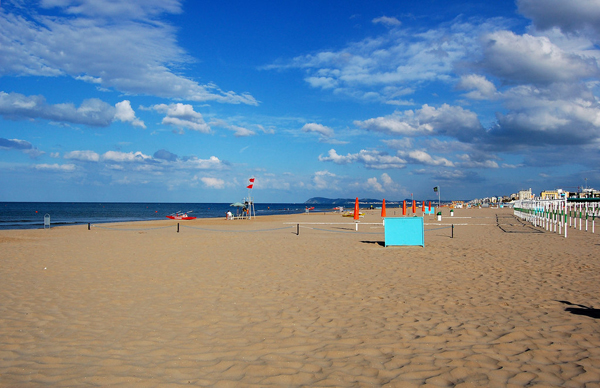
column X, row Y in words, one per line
column 524, row 194
column 589, row 193
column 550, row 194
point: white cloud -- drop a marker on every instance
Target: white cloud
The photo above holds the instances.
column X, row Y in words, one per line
column 403, row 143
column 562, row 114
column 237, row 130
column 481, row 88
column 162, row 160
column 212, row 163
column 469, row 161
column 269, row 130
column 84, row 156
column 15, row 144
column 325, row 180
column 55, row 167
column 388, row 21
column 371, row 159
column 182, row 116
column 372, row 69
column 533, row 59
column 20, row 145
column 322, row 82
column 115, row 9
column 446, row 120
column 92, row 112
column 318, row 128
column 387, row 180
column 386, row 184
column 117, row 156
column 568, row 15
column 422, row 157
column 213, row 183
column 121, row 45
column 373, row 184
column 89, row 79
column 125, row 113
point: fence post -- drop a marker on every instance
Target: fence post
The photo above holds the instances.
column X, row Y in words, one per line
column 178, row 227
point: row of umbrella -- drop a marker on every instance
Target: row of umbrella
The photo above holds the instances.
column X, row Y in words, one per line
column 414, row 208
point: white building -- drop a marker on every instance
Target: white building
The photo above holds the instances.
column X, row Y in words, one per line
column 524, row 194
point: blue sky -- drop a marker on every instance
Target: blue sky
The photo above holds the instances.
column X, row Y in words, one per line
column 173, row 101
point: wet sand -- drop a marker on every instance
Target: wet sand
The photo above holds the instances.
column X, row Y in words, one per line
column 251, row 303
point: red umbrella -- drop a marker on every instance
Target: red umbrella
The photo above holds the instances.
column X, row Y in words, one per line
column 414, row 209
column 383, row 208
column 356, row 209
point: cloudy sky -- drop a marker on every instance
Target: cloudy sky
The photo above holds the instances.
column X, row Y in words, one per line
column 172, row 101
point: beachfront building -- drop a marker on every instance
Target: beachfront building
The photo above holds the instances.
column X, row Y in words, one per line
column 524, row 194
column 589, row 193
column 550, row 194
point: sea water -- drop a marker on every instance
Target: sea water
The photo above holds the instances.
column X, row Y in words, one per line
column 30, row 215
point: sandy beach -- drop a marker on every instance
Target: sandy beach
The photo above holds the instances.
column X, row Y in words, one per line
column 252, row 303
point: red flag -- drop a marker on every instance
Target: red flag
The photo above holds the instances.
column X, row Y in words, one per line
column 251, row 180
column 249, row 186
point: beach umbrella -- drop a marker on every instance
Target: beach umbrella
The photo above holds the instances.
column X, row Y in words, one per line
column 404, row 208
column 383, row 208
column 356, row 209
column 414, row 209
column 423, row 209
column 237, row 204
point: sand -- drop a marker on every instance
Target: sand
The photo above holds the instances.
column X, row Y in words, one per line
column 251, row 303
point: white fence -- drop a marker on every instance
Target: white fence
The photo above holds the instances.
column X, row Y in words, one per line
column 559, row 215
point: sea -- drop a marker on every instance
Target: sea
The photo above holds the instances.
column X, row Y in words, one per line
column 30, row 215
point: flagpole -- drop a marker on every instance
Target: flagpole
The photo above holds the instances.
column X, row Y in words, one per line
column 251, row 211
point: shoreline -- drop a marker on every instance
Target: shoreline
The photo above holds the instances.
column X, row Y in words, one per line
column 251, row 303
